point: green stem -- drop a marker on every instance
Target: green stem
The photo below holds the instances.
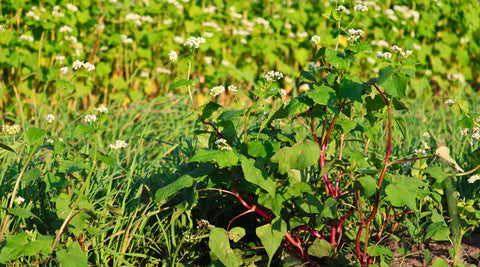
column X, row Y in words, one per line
column 454, row 218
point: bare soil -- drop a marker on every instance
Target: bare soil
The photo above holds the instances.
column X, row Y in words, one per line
column 416, row 255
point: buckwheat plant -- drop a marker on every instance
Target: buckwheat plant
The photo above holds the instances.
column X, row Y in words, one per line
column 314, row 169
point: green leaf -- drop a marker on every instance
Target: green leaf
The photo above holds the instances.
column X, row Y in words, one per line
column 30, row 175
column 299, row 105
column 329, row 208
column 337, row 59
column 180, row 83
column 21, row 212
column 320, row 248
column 403, row 191
column 466, row 122
column 3, row 146
column 208, row 109
column 107, row 159
column 35, row 134
column 380, row 250
column 438, row 231
column 72, row 256
column 369, row 185
column 222, row 157
column 82, row 129
column 322, row 95
column 439, row 262
column 351, row 90
column 394, row 82
column 271, row 236
column 236, row 233
column 256, row 176
column 301, row 156
column 219, row 245
column 311, row 204
column 186, row 180
column 437, row 173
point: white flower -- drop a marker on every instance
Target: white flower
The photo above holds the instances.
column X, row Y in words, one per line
column 222, row 144
column 2, row 28
column 315, row 39
column 26, row 38
column 19, row 200
column 449, row 102
column 473, row 178
column 178, row 39
column 104, row 48
column 72, row 8
column 217, row 90
column 426, row 135
column 168, row 22
column 31, row 14
column 119, row 144
column 272, row 76
column 50, row 118
column 50, row 141
column 71, row 39
column 360, row 7
column 125, row 39
column 173, row 56
column 342, row 8
column 385, row 55
column 282, row 91
column 102, row 109
column 77, row 64
column 421, row 151
column 65, row 29
column 302, row 34
column 355, row 34
column 89, row 66
column 90, row 118
column 464, row 132
column 194, row 42
column 11, row 129
column 64, row 70
column 163, row 70
column 232, row 88
column 208, row 60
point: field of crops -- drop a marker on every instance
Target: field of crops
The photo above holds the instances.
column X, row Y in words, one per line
column 239, row 133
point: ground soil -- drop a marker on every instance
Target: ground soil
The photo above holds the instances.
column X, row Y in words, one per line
column 416, row 255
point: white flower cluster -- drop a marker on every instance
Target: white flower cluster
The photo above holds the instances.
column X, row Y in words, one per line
column 235, row 14
column 343, row 1
column 360, row 7
column 19, row 200
column 194, row 42
column 473, row 179
column 342, row 8
column 163, row 70
column 50, row 118
column 217, row 90
column 173, row 56
column 421, row 151
column 72, row 7
column 71, row 39
column 262, row 21
column 407, row 13
column 354, row 34
column 125, row 39
column 64, row 70
column 102, row 109
column 31, row 14
column 65, row 29
column 385, row 55
column 11, row 129
column 475, row 132
column 2, row 28
column 273, row 76
column 209, row 9
column 77, row 64
column 90, row 118
column 222, row 144
column 56, row 12
column 137, row 19
column 315, row 39
column 232, row 88
column 426, row 135
column 27, row 38
column 399, row 50
column 119, row 144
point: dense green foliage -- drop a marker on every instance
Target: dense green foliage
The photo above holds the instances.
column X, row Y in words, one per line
column 113, row 151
